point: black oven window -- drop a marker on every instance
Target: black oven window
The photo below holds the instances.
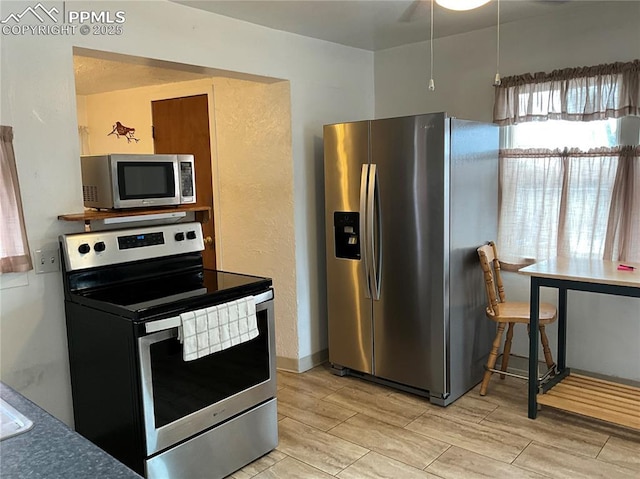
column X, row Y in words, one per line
column 140, row 180
column 183, row 387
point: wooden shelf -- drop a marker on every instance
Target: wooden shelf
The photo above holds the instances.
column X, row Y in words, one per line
column 202, row 214
column 605, row 400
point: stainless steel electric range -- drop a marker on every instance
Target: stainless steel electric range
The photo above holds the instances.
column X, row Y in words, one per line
column 134, row 394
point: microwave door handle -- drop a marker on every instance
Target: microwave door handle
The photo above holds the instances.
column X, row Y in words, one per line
column 364, row 270
column 177, row 188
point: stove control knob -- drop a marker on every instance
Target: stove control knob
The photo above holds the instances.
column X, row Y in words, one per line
column 191, row 235
column 99, row 246
column 84, row 248
column 179, row 236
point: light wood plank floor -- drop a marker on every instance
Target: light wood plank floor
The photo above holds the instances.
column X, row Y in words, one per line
column 353, row 429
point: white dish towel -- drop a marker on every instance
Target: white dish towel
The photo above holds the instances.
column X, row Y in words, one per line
column 207, row 331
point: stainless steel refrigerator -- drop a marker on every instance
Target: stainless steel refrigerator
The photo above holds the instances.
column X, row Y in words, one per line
column 407, row 202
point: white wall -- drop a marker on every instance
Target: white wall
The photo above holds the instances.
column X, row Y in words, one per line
column 329, row 83
column 603, row 332
column 465, row 65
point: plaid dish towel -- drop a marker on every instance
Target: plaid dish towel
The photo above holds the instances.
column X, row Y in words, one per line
column 207, row 331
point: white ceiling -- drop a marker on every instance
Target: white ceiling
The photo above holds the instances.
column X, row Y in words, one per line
column 376, row 24
column 367, row 24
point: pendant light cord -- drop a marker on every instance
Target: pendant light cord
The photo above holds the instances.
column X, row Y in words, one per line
column 432, row 85
column 496, row 80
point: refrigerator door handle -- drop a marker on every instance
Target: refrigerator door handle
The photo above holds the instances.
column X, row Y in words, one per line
column 378, row 236
column 364, row 271
column 374, row 236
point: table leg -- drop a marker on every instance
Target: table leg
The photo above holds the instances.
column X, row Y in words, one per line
column 533, row 346
column 562, row 329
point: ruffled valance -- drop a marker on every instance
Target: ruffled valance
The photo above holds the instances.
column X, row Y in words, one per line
column 577, row 94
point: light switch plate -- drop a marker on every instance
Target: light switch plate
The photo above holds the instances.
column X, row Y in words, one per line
column 47, row 261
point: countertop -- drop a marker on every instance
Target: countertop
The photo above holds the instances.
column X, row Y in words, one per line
column 51, row 450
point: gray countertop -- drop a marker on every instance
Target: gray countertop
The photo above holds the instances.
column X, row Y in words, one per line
column 51, row 450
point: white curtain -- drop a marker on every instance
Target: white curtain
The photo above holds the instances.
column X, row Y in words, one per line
column 623, row 228
column 570, row 203
column 580, row 94
column 14, row 248
column 530, row 194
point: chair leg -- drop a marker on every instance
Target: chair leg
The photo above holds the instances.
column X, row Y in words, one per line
column 491, row 362
column 507, row 349
column 545, row 348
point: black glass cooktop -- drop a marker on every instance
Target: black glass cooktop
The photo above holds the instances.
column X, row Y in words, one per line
column 172, row 294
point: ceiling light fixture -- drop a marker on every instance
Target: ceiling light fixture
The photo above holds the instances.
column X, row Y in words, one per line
column 461, row 4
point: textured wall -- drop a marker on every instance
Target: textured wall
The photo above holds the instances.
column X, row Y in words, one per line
column 255, row 181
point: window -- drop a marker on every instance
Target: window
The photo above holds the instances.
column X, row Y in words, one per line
column 14, row 249
column 562, row 134
column 567, row 186
column 555, row 202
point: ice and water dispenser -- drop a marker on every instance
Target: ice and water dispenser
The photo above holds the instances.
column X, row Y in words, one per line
column 346, row 229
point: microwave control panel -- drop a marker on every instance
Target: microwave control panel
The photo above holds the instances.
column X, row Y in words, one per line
column 186, row 179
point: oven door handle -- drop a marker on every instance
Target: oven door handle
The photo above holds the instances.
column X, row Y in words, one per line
column 175, row 321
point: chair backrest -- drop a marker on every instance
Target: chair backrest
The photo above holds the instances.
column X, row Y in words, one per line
column 493, row 281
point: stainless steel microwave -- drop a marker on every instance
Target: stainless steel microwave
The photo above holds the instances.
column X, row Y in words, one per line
column 135, row 180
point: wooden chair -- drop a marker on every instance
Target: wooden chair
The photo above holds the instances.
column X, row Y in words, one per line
column 506, row 312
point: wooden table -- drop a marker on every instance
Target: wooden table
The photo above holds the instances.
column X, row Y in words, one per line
column 604, row 400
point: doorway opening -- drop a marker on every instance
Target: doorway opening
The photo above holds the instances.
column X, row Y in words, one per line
column 248, row 138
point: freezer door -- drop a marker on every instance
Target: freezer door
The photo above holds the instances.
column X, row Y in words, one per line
column 346, row 172
column 410, row 315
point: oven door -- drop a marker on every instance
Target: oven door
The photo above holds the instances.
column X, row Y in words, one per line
column 183, row 398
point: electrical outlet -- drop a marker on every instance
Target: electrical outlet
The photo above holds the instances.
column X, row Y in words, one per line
column 47, row 261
